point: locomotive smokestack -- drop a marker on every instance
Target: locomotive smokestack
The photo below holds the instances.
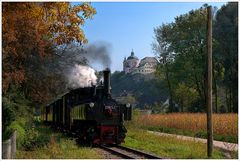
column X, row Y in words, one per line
column 106, row 75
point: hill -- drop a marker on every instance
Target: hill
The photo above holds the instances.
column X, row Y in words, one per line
column 141, row 90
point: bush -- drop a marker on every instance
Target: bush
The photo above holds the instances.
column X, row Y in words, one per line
column 28, row 137
column 6, row 134
column 35, row 140
column 225, row 138
column 18, row 115
column 201, row 134
column 8, row 111
column 21, row 132
column 26, row 134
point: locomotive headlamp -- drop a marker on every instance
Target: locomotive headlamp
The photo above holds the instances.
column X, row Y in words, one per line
column 128, row 105
column 91, row 104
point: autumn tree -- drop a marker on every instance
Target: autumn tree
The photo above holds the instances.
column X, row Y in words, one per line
column 37, row 29
column 32, row 33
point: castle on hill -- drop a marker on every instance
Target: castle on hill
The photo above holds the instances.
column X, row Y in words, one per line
column 133, row 65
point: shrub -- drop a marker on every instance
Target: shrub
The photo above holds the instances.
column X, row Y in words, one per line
column 201, row 134
column 21, row 132
column 8, row 111
column 35, row 140
column 6, row 134
column 27, row 136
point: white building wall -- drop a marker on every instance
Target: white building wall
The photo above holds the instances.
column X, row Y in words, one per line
column 132, row 66
column 146, row 69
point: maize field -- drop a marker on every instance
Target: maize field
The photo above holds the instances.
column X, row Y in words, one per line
column 223, row 124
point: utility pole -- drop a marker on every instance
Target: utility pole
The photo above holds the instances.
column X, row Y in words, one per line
column 209, row 83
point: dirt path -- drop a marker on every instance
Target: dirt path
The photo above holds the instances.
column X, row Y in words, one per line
column 217, row 144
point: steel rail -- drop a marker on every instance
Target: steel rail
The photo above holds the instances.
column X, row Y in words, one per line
column 124, row 156
column 146, row 155
column 129, row 150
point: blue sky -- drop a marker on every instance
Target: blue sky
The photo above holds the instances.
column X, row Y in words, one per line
column 129, row 25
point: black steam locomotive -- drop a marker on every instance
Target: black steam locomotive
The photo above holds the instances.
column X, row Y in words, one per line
column 90, row 113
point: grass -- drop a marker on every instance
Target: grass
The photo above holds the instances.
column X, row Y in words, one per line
column 168, row 147
column 199, row 134
column 59, row 147
column 65, row 149
column 225, row 126
column 62, row 147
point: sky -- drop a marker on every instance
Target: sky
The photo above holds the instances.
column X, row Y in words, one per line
column 128, row 26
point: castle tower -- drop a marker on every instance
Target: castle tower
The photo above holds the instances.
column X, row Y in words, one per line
column 130, row 63
column 132, row 53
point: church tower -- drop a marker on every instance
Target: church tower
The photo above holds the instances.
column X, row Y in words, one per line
column 130, row 63
column 132, row 53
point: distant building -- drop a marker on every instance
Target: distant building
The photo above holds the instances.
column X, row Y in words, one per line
column 145, row 112
column 132, row 65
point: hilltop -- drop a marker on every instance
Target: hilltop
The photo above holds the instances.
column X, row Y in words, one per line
column 141, row 90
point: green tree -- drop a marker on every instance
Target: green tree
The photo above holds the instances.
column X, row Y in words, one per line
column 166, row 57
column 185, row 97
column 226, row 34
column 184, row 42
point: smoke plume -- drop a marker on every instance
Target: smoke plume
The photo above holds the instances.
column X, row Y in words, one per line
column 81, row 76
column 95, row 55
column 98, row 53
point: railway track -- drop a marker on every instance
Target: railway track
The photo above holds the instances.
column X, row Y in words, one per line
column 128, row 153
column 122, row 152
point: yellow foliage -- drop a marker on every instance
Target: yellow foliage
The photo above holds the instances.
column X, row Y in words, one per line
column 30, row 28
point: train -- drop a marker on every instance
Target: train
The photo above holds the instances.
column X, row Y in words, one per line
column 90, row 113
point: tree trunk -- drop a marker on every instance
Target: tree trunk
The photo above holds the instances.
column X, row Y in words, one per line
column 200, row 92
column 234, row 91
column 216, row 94
column 230, row 99
column 182, row 105
column 170, row 89
column 235, row 97
column 227, row 100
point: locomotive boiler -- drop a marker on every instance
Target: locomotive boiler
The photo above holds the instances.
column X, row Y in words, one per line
column 91, row 113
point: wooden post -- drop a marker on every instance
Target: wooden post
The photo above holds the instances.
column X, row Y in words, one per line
column 209, row 83
column 6, row 149
column 13, row 144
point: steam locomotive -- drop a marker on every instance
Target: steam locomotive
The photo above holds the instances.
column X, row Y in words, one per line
column 90, row 113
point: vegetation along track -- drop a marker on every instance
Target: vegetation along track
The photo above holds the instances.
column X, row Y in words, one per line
column 128, row 153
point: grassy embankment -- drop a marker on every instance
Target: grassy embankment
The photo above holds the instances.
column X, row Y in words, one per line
column 57, row 146
column 167, row 147
column 225, row 126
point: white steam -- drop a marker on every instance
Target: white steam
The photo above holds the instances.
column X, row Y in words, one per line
column 82, row 76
